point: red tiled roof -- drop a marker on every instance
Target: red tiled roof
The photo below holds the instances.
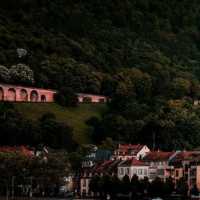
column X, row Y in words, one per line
column 102, row 166
column 131, row 146
column 20, row 149
column 126, row 149
column 158, row 156
column 106, row 166
column 186, row 155
column 133, row 162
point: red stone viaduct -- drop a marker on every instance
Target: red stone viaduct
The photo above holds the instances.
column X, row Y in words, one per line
column 15, row 93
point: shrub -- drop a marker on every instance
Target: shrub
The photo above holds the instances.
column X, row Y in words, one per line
column 66, row 97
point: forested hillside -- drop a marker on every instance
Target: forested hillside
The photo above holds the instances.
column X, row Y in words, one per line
column 78, row 39
column 145, row 54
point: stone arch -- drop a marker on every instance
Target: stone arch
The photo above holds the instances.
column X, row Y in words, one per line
column 34, row 96
column 43, row 98
column 23, row 95
column 11, row 95
column 1, row 94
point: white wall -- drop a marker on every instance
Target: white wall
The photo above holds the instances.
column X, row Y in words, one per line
column 84, row 185
column 140, row 171
column 143, row 152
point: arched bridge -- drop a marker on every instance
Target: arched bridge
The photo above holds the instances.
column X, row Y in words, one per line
column 25, row 94
column 14, row 93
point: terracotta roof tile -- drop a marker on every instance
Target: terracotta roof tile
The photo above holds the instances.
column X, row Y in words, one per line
column 126, row 149
column 158, row 156
column 20, row 149
column 133, row 162
column 186, row 155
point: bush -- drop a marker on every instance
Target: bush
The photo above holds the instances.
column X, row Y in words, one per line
column 66, row 97
column 4, row 74
column 22, row 74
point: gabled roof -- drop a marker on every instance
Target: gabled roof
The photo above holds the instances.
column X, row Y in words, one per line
column 126, row 149
column 132, row 162
column 25, row 151
column 186, row 155
column 136, row 147
column 156, row 156
column 108, row 166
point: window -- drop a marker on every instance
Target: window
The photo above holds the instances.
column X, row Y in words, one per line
column 140, row 171
column 177, row 173
column 145, row 172
column 127, row 170
column 84, row 182
column 161, row 172
column 134, row 171
column 121, row 171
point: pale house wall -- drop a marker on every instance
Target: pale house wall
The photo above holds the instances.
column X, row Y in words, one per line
column 198, row 177
column 84, row 186
column 140, row 171
column 143, row 152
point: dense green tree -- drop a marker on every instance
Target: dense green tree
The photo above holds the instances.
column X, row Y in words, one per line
column 115, row 186
column 21, row 74
column 180, row 88
column 94, row 184
column 15, row 130
column 126, row 185
column 66, row 97
column 21, row 170
column 143, row 54
column 144, row 186
column 157, row 188
column 194, row 190
column 169, row 186
column 55, row 134
column 135, row 185
column 182, row 187
column 4, row 74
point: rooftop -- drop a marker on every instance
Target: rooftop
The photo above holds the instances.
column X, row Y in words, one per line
column 186, row 155
column 25, row 151
column 158, row 156
column 129, row 149
column 132, row 162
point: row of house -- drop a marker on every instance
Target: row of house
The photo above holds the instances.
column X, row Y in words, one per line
column 139, row 160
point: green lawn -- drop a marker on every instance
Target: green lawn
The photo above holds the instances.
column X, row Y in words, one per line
column 75, row 117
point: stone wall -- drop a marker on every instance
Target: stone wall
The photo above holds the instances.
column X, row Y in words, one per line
column 87, row 98
column 15, row 93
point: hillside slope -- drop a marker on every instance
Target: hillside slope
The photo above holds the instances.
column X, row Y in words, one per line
column 144, row 54
column 75, row 117
column 73, row 40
